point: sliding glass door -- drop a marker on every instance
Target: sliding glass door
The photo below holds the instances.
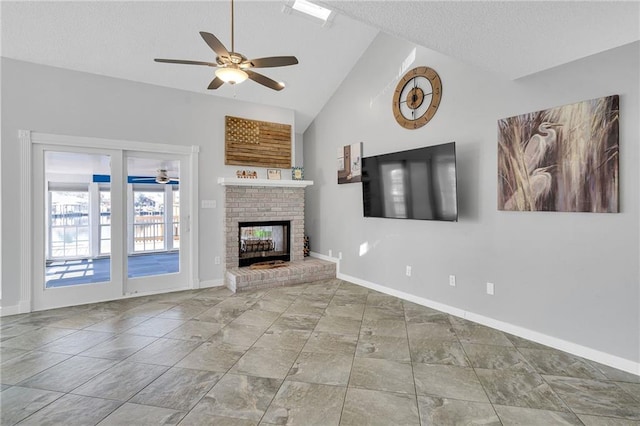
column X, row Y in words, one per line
column 108, row 223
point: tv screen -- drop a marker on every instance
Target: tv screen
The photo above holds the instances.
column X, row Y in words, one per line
column 415, row 184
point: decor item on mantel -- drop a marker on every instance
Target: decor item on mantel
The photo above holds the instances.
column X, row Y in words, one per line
column 246, row 174
column 257, row 143
column 273, row 174
column 561, row 159
column 297, row 173
column 233, row 67
column 350, row 163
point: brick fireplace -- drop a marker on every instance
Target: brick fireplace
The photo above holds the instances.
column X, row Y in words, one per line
column 260, row 200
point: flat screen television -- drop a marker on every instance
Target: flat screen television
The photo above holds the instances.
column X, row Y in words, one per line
column 415, row 184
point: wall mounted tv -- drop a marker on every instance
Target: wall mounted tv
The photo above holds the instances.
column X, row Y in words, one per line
column 415, row 184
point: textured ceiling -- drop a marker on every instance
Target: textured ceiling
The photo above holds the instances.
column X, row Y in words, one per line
column 512, row 38
column 120, row 39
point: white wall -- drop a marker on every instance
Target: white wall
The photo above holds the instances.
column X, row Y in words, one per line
column 571, row 276
column 53, row 100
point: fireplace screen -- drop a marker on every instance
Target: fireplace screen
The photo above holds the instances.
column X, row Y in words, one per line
column 263, row 241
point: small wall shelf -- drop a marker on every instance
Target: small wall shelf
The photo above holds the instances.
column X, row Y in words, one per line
column 231, row 181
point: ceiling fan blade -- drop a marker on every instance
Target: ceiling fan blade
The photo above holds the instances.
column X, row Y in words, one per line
column 185, row 62
column 274, row 61
column 264, row 80
column 215, row 44
column 215, row 83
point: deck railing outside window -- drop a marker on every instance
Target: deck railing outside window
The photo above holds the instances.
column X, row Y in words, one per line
column 70, row 223
column 69, row 226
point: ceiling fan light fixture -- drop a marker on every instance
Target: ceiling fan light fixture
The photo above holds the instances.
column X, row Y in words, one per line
column 231, row 75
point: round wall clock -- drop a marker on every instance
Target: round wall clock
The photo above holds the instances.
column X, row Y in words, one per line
column 417, row 97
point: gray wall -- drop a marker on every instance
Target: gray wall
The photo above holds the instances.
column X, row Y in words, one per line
column 53, row 100
column 571, row 276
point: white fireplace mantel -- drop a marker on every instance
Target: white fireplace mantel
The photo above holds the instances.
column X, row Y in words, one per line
column 231, row 181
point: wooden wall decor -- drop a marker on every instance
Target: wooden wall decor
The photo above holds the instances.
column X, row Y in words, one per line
column 257, row 143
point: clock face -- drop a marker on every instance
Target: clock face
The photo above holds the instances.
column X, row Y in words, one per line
column 417, row 97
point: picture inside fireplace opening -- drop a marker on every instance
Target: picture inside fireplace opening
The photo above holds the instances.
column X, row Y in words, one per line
column 261, row 242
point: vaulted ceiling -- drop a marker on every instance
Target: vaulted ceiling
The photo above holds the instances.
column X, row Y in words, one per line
column 120, row 39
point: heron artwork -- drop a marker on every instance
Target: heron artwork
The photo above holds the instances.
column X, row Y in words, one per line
column 560, row 159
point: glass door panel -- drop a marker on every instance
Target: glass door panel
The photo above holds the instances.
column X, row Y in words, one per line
column 155, row 260
column 73, row 192
column 73, row 222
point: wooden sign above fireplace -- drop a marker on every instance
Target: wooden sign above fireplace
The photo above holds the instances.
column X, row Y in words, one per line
column 257, row 143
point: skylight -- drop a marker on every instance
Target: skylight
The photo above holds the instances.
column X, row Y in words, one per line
column 314, row 10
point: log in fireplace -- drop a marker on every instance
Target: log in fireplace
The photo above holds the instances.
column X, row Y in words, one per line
column 263, row 241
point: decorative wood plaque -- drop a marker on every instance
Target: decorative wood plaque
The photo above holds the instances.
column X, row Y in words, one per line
column 257, row 143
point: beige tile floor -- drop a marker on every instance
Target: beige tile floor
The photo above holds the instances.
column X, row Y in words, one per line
column 324, row 353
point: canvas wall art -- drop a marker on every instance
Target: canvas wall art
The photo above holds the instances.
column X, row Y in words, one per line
column 562, row 159
column 350, row 163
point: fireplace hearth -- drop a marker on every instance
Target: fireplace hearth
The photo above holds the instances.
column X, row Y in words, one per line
column 263, row 241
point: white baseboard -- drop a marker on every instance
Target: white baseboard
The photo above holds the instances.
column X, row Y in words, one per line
column 554, row 342
column 22, row 307
column 9, row 310
column 212, row 283
column 324, row 257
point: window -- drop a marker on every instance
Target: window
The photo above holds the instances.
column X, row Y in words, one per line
column 69, row 234
column 156, row 218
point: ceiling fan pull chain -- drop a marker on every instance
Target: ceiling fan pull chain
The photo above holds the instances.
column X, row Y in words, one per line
column 232, row 46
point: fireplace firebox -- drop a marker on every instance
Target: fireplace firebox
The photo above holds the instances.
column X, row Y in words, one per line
column 263, row 241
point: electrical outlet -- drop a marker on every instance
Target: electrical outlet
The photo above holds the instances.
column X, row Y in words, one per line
column 339, row 255
column 216, row 260
column 330, row 253
column 490, row 289
column 209, row 204
column 408, row 271
column 452, row 280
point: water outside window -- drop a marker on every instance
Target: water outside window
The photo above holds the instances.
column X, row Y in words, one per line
column 69, row 224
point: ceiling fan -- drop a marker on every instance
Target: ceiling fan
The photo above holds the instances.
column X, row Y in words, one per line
column 234, row 67
column 161, row 177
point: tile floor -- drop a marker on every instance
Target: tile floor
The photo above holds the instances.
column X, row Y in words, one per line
column 324, row 353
